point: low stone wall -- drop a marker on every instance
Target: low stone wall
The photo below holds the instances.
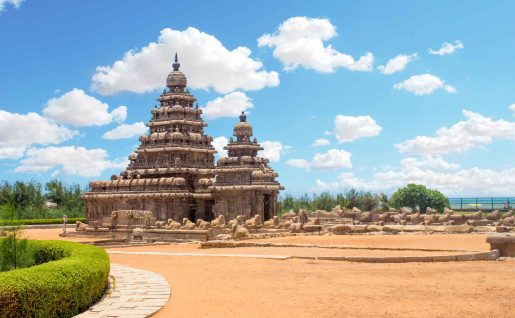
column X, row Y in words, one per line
column 459, row 257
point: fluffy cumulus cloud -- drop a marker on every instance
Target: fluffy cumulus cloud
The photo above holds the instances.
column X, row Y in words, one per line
column 330, row 160
column 273, row 150
column 396, row 64
column 424, row 84
column 18, row 132
column 320, row 142
column 447, row 48
column 68, row 161
column 230, row 105
column 446, row 177
column 204, row 59
column 14, row 3
column 219, row 143
column 512, row 108
column 126, row 131
column 473, row 132
column 299, row 42
column 350, row 128
column 79, row 109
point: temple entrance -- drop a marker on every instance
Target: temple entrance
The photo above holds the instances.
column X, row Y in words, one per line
column 267, row 214
column 192, row 216
column 208, row 211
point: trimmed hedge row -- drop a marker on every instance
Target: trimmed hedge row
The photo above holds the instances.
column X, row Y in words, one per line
column 71, row 221
column 70, row 278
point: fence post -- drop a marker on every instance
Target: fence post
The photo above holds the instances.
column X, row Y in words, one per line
column 461, row 203
column 476, row 203
column 492, row 204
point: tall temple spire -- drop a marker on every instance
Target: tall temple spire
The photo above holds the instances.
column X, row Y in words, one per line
column 176, row 65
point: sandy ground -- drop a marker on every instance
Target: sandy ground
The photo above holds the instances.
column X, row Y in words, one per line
column 251, row 288
column 53, row 234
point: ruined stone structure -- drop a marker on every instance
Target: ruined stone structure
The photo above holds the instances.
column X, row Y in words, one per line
column 172, row 172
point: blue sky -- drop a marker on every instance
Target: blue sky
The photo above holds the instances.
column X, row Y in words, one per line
column 359, row 75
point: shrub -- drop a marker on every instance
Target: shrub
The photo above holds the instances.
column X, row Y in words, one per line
column 43, row 221
column 70, row 278
column 418, row 197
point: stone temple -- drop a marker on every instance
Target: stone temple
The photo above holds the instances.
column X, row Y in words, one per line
column 173, row 175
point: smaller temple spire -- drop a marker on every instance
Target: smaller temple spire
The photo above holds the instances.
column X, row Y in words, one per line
column 243, row 117
column 176, row 65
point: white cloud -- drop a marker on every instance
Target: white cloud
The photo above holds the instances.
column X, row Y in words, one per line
column 126, row 131
column 512, row 108
column 14, row 3
column 273, row 150
column 204, row 59
column 17, row 132
column 79, row 109
column 230, row 105
column 447, row 48
column 320, row 142
column 350, row 128
column 424, row 84
column 68, row 161
column 219, row 143
column 456, row 182
column 474, row 132
column 397, row 63
column 299, row 42
column 332, row 159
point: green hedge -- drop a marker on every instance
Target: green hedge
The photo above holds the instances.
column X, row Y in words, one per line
column 71, row 221
column 70, row 278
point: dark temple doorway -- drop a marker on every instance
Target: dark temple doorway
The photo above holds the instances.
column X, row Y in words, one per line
column 267, row 214
column 208, row 211
column 193, row 213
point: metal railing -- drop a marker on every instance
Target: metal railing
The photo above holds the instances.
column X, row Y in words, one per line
column 484, row 203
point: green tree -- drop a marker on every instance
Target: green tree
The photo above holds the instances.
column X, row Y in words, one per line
column 13, row 249
column 419, row 198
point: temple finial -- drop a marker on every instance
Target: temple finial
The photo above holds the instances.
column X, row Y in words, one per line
column 176, row 65
column 243, row 117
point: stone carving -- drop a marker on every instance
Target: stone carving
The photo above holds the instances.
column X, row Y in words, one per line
column 79, row 226
column 239, row 232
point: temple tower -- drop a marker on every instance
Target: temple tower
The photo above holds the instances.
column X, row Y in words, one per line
column 245, row 184
column 172, row 169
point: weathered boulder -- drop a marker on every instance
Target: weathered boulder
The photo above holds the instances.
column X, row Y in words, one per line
column 430, row 210
column 296, row 227
column 406, row 210
column 288, row 215
column 430, row 219
column 137, row 234
column 359, row 229
column 509, row 221
column 356, row 210
column 475, row 216
column 312, row 228
column 349, row 215
column 458, row 229
column 493, row 216
column 285, row 224
column 303, row 217
column 374, row 228
column 365, row 217
column 447, row 210
column 393, row 229
column 415, row 218
column 340, row 229
column 444, row 218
